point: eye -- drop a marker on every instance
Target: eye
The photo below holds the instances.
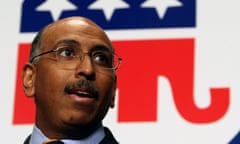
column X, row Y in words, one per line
column 102, row 58
column 66, row 52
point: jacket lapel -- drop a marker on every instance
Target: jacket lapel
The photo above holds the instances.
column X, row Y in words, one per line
column 109, row 138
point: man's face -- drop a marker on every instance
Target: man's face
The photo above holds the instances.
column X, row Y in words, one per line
column 77, row 96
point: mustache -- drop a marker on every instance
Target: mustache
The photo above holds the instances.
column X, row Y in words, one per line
column 84, row 85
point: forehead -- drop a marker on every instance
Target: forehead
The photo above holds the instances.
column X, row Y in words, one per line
column 82, row 30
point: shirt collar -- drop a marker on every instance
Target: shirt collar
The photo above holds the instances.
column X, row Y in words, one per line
column 38, row 137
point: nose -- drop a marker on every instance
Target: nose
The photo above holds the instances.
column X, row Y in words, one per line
column 85, row 67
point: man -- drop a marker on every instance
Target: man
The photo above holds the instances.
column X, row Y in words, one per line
column 72, row 76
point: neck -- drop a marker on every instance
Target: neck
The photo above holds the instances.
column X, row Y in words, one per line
column 71, row 131
column 80, row 132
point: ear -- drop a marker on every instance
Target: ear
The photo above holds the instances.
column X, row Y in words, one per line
column 28, row 79
column 114, row 93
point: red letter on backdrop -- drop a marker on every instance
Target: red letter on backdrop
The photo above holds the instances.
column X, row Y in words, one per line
column 24, row 108
column 144, row 61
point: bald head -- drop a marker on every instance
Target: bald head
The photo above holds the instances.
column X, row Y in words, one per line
column 77, row 20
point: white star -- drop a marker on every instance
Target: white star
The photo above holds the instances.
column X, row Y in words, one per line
column 108, row 6
column 56, row 7
column 161, row 5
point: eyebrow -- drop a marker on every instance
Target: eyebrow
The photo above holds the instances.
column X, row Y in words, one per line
column 75, row 42
column 68, row 41
column 102, row 48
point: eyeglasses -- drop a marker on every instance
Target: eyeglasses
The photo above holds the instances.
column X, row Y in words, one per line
column 69, row 57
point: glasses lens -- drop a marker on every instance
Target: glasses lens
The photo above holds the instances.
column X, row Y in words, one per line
column 70, row 57
column 102, row 59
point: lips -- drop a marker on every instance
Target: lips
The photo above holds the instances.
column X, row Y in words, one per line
column 82, row 93
column 82, row 89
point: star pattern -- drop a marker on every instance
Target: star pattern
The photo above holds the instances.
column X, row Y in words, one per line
column 161, row 6
column 108, row 6
column 56, row 7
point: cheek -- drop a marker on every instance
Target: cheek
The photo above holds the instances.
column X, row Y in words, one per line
column 50, row 81
column 50, row 84
column 106, row 88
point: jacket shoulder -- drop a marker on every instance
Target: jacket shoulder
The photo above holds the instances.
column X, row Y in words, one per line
column 109, row 138
column 27, row 140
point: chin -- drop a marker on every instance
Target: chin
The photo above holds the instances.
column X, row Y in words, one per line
column 80, row 120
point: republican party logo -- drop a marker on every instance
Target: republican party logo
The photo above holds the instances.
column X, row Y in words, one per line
column 144, row 60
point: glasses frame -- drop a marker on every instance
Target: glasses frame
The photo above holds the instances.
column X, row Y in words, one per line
column 119, row 59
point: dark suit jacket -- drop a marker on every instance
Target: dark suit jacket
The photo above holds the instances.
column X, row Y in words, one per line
column 108, row 139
